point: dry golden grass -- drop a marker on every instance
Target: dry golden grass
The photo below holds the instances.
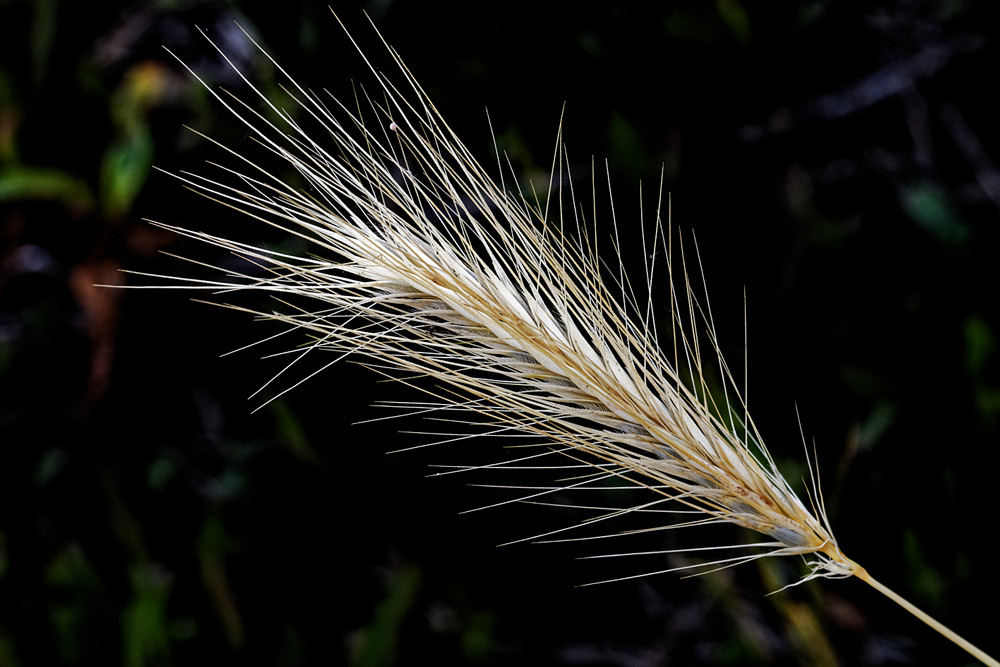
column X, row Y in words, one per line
column 498, row 306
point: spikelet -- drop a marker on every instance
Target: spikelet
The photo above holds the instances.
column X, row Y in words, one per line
column 428, row 270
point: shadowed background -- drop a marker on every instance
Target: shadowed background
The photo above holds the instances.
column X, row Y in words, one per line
column 837, row 164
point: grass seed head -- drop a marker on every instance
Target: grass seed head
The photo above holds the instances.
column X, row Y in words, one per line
column 497, row 305
column 426, row 267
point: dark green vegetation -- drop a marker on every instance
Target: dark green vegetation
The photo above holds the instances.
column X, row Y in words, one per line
column 841, row 164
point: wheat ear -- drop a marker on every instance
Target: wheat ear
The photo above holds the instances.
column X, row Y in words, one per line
column 428, row 270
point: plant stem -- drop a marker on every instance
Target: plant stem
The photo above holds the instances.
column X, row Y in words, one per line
column 973, row 650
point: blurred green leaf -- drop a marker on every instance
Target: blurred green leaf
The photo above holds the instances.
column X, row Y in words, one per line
column 212, row 547
column 70, row 568
column 931, row 208
column 477, row 639
column 79, row 596
column 735, row 17
column 124, row 170
column 924, row 579
column 124, row 523
column 988, row 402
column 627, row 149
column 980, row 347
column 9, row 119
column 980, row 343
column 161, row 471
column 8, row 656
column 291, row 432
column 18, row 182
column 377, row 644
column 53, row 461
column 686, row 26
column 230, row 484
column 43, row 30
column 144, row 621
column 879, row 420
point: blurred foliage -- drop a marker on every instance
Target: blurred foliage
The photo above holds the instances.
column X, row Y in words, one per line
column 837, row 160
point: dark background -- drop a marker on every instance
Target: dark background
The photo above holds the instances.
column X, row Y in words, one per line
column 836, row 161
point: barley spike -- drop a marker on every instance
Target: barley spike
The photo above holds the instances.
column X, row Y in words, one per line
column 497, row 306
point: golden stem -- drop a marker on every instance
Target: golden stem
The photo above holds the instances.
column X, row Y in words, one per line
column 973, row 650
